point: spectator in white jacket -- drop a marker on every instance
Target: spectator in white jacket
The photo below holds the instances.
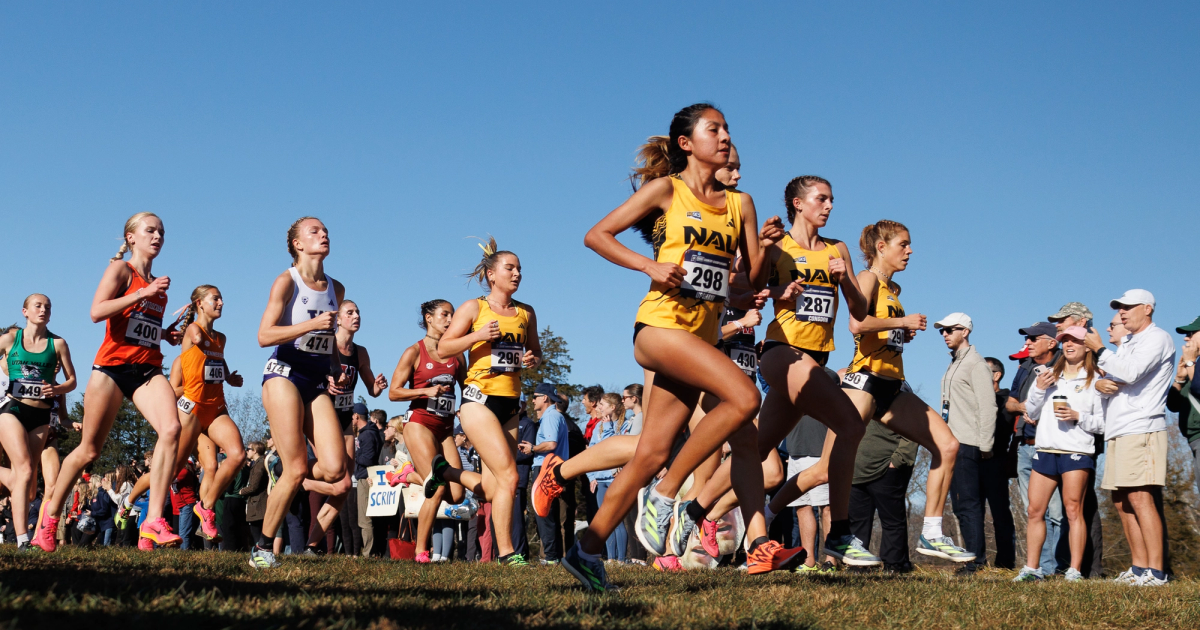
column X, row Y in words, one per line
column 1069, row 412
column 1138, row 375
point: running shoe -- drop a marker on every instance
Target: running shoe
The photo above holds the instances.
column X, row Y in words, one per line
column 772, row 556
column 25, row 546
column 396, row 478
column 435, row 558
column 653, row 519
column 668, row 564
column 851, row 551
column 145, row 544
column 159, row 531
column 1030, row 575
column 943, row 547
column 546, row 487
column 208, row 521
column 515, row 560
column 122, row 515
column 1127, row 577
column 1073, row 575
column 549, row 563
column 433, row 481
column 814, row 569
column 828, row 567
column 422, row 558
column 310, row 551
column 262, row 558
column 47, row 531
column 682, row 530
column 708, row 538
column 589, row 572
column 1148, row 579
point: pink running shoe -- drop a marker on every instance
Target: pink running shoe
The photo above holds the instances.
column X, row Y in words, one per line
column 47, row 530
column 208, row 521
column 422, row 558
column 708, row 538
column 145, row 544
column 159, row 532
column 668, row 564
column 396, row 478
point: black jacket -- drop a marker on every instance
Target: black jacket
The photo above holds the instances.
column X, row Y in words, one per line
column 366, row 449
column 526, row 432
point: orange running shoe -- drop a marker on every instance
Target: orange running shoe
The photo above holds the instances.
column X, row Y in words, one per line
column 47, row 531
column 159, row 532
column 208, row 521
column 668, row 564
column 546, row 488
column 772, row 556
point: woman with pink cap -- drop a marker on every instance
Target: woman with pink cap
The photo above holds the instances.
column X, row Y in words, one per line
column 1068, row 412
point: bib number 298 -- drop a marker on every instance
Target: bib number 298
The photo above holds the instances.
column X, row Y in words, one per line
column 706, row 276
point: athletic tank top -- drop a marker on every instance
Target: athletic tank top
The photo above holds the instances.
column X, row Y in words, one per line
column 495, row 366
column 806, row 322
column 740, row 346
column 704, row 241
column 429, row 373
column 881, row 352
column 344, row 403
column 27, row 370
column 309, row 354
column 203, row 367
column 133, row 335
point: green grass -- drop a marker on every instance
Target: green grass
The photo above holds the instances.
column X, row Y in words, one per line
column 169, row 590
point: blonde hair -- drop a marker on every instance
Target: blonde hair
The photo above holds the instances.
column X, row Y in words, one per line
column 618, row 405
column 294, row 232
column 491, row 255
column 189, row 314
column 130, row 226
column 885, row 231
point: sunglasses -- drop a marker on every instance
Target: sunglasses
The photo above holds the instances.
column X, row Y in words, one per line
column 952, row 329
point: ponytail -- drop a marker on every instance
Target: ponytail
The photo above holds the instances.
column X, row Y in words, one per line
column 490, row 256
column 429, row 308
column 884, row 231
column 130, row 227
column 189, row 313
column 293, row 233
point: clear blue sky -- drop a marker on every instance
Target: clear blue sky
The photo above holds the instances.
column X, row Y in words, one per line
column 1038, row 154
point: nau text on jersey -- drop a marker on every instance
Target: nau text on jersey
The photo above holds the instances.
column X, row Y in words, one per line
column 810, row 275
column 714, row 239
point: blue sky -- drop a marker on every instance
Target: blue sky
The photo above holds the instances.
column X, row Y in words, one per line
column 1039, row 154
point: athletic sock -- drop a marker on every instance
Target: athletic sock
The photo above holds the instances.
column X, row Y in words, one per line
column 590, row 557
column 1137, row 570
column 1158, row 574
column 557, row 472
column 22, row 538
column 758, row 541
column 266, row 543
column 838, row 529
column 696, row 511
column 932, row 527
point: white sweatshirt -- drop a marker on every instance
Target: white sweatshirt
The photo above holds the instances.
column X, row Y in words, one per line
column 1144, row 365
column 1058, row 435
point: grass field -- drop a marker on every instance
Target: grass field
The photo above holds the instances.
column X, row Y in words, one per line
column 123, row 588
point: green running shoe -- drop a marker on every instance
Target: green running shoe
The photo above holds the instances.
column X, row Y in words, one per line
column 122, row 516
column 944, row 548
column 851, row 551
column 434, row 480
column 653, row 519
column 682, row 530
column 590, row 573
column 515, row 560
column 1030, row 575
column 813, row 570
column 262, row 559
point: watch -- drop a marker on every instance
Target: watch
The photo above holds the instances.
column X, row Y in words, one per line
column 1189, row 363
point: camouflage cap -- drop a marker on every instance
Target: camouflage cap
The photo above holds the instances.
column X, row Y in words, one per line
column 1071, row 309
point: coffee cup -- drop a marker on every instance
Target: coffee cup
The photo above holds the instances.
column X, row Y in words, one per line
column 1060, row 402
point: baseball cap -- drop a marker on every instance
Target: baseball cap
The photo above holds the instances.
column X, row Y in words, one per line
column 361, row 409
column 1038, row 329
column 955, row 319
column 1071, row 309
column 1023, row 353
column 1073, row 331
column 547, row 390
column 1133, row 297
column 1190, row 328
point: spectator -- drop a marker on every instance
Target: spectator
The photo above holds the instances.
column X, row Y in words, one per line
column 379, row 419
column 1068, row 411
column 994, row 474
column 103, row 510
column 551, row 439
column 255, row 490
column 184, row 491
column 1071, row 314
column 351, row 531
column 526, row 436
column 1139, row 373
column 367, row 445
column 231, row 515
column 632, row 400
column 805, row 443
column 612, row 423
column 1180, row 398
column 591, row 398
column 882, row 470
column 969, row 408
column 470, row 463
column 1043, row 352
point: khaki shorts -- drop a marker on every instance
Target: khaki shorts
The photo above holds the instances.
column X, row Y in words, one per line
column 1133, row 461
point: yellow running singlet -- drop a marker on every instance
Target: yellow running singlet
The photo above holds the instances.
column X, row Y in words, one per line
column 495, row 366
column 807, row 322
column 882, row 352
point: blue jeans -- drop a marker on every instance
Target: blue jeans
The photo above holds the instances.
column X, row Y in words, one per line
column 107, row 535
column 619, row 539
column 187, row 525
column 1054, row 511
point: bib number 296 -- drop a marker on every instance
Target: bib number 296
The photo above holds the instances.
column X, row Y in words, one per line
column 471, row 393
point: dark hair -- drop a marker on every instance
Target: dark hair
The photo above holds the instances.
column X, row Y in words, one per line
column 593, row 393
column 429, row 308
column 996, row 365
column 636, row 391
column 490, row 256
column 378, row 416
column 799, row 187
column 258, row 447
column 661, row 156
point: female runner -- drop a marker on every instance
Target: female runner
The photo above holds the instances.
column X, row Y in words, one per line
column 697, row 227
column 355, row 362
column 129, row 364
column 200, row 372
column 34, row 356
column 501, row 335
column 424, row 378
column 301, row 322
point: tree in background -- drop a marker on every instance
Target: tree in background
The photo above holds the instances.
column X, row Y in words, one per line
column 128, row 441
column 246, row 410
column 554, row 368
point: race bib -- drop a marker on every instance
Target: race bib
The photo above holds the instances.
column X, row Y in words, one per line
column 895, row 340
column 278, row 368
column 342, row 402
column 5, row 400
column 856, row 380
column 506, row 356
column 816, row 304
column 744, row 357
column 214, row 371
column 706, row 276
column 27, row 389
column 442, row 406
column 471, row 393
column 185, row 405
column 143, row 330
column 316, row 343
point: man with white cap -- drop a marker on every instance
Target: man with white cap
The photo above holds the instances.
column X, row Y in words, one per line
column 1139, row 373
column 969, row 407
